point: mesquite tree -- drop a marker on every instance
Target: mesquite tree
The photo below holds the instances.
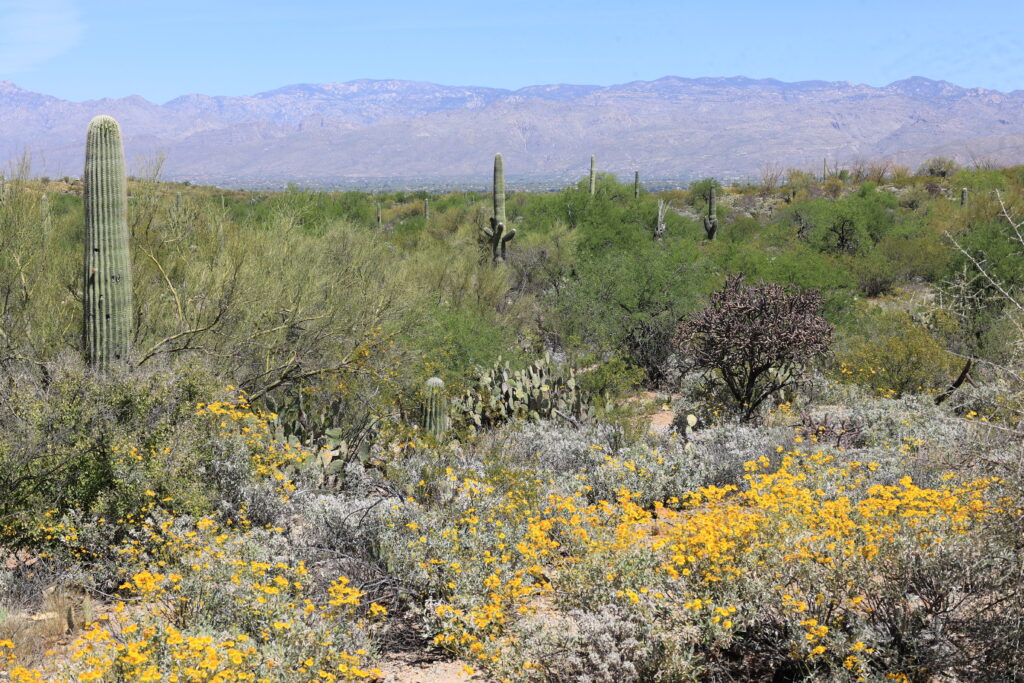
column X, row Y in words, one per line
column 755, row 339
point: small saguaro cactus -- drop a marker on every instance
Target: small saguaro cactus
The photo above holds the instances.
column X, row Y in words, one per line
column 636, row 184
column 435, row 408
column 498, row 233
column 593, row 176
column 963, row 196
column 379, row 221
column 426, row 209
column 107, row 286
column 711, row 220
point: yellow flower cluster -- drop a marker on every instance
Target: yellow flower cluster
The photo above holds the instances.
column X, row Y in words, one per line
column 801, row 510
column 164, row 630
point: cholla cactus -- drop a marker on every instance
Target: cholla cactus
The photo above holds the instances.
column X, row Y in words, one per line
column 435, row 408
column 497, row 234
column 593, row 175
column 107, row 286
column 711, row 220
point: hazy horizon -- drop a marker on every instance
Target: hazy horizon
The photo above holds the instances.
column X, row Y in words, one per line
column 79, row 51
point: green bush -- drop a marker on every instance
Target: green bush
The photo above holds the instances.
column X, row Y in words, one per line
column 892, row 354
column 102, row 446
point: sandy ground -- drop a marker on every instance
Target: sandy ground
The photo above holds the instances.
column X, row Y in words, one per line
column 419, row 667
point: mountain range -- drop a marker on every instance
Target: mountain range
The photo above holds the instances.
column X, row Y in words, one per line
column 392, row 132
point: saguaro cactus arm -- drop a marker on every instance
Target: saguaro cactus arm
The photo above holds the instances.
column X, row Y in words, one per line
column 107, row 277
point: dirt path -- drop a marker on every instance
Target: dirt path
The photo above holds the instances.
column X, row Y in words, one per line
column 421, row 667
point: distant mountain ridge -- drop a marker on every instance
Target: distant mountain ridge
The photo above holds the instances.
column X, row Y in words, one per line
column 671, row 128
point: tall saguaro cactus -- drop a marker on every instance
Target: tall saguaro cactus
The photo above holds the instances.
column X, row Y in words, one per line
column 435, row 408
column 711, row 220
column 593, row 176
column 636, row 184
column 107, row 285
column 498, row 234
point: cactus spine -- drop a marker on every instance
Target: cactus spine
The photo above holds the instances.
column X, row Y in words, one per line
column 435, row 408
column 107, row 286
column 497, row 233
column 711, row 220
column 636, row 184
column 593, row 176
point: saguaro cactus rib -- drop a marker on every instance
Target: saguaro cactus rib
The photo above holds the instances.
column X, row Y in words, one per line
column 107, row 279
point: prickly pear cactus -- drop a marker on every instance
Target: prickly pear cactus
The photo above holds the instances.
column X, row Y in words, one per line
column 711, row 220
column 539, row 391
column 435, row 408
column 107, row 285
column 498, row 234
column 593, row 175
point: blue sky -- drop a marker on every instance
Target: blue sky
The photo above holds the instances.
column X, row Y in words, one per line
column 83, row 49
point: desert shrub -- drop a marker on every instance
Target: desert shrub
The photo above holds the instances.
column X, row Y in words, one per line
column 894, row 355
column 613, row 378
column 755, row 339
column 699, row 192
column 630, row 301
column 101, row 446
column 938, row 167
column 876, row 273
